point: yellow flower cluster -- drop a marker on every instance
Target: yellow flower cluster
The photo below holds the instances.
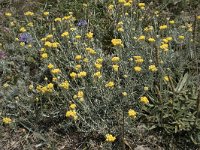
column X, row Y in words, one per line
column 89, row 35
column 82, row 74
column 72, row 114
column 117, row 42
column 141, row 38
column 65, row 34
column 110, row 138
column 8, row 14
column 132, row 113
column 7, row 120
column 166, row 78
column 51, row 44
column 138, row 59
column 120, row 27
column 45, row 89
column 137, row 68
column 163, row 27
column 65, row 85
column 22, row 29
column 90, row 51
column 153, row 68
column 79, row 95
column 141, row 5
column 97, row 74
column 28, row 13
column 144, row 100
column 110, row 84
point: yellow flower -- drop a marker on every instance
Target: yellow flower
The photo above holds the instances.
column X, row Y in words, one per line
column 144, row 100
column 127, row 4
column 12, row 24
column 73, row 75
column 8, row 14
column 49, row 36
column 97, row 74
column 72, row 29
column 7, row 120
column 67, row 17
column 120, row 23
column 78, row 57
column 50, row 66
column 124, row 93
column 56, row 71
column 137, row 69
column 141, row 4
column 77, row 36
column 137, row 57
column 99, row 60
column 151, row 40
column 117, row 42
column 89, row 35
column 30, row 87
column 80, row 94
column 57, row 19
column 54, row 79
column 110, row 84
column 44, row 55
column 22, row 29
column 42, row 49
column 98, row 66
column 121, row 1
column 132, row 113
column 28, row 13
column 146, row 88
column 181, row 37
column 30, row 46
column 49, row 87
column 164, row 47
column 139, row 61
column 198, row 17
column 85, row 60
column 169, row 38
column 46, row 13
column 65, row 34
column 72, row 114
column 55, row 44
column 115, row 59
column 110, row 7
column 115, row 67
column 153, row 68
column 163, row 27
column 171, row 21
column 120, row 29
column 22, row 44
column 78, row 67
column 166, row 78
column 48, row 44
column 65, row 85
column 142, row 37
column 110, row 138
column 72, row 106
column 82, row 74
column 30, row 24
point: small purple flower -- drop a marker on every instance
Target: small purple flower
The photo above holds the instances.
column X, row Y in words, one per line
column 25, row 37
column 82, row 23
column 2, row 55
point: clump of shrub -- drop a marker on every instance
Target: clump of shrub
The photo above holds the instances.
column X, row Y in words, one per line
column 56, row 71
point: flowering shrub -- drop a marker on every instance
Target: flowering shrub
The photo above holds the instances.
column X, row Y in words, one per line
column 56, row 68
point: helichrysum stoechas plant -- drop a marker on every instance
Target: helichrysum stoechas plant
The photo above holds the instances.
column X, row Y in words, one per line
column 64, row 70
